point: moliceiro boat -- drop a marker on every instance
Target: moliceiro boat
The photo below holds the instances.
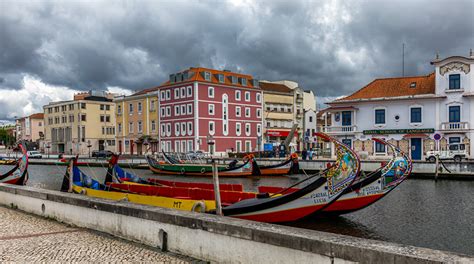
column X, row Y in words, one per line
column 287, row 167
column 248, row 168
column 18, row 175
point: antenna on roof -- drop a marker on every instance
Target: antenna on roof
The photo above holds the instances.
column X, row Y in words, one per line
column 403, row 60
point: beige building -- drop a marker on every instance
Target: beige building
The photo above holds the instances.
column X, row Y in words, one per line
column 283, row 107
column 137, row 122
column 80, row 126
column 30, row 128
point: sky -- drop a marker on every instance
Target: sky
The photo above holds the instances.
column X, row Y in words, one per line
column 51, row 49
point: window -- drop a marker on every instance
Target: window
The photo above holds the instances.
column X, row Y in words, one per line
column 139, row 107
column 130, row 127
column 347, row 118
column 259, row 129
column 247, row 129
column 453, row 140
column 183, row 128
column 233, row 79
column 130, row 108
column 176, row 129
column 168, row 94
column 140, row 127
column 247, row 96
column 176, row 110
column 311, row 119
column 168, row 111
column 225, row 116
column 190, row 128
column 379, row 147
column 168, row 129
column 153, row 125
column 102, row 118
column 119, row 127
column 102, row 107
column 83, row 106
column 190, row 145
column 238, row 146
column 259, row 113
column 248, row 146
column 247, row 111
column 221, row 78
column 211, row 128
column 237, row 111
column 237, row 95
column 243, row 81
column 162, row 96
column 211, row 109
column 207, row 76
column 119, row 109
column 183, row 92
column 190, row 91
column 210, row 92
column 163, row 129
column 152, row 105
column 238, row 129
column 163, row 113
column 415, row 115
column 190, row 109
column 379, row 116
column 259, row 97
column 454, row 81
column 83, row 117
column 183, row 109
column 176, row 93
column 455, row 113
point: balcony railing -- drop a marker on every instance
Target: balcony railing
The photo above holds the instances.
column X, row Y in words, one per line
column 455, row 126
column 340, row 129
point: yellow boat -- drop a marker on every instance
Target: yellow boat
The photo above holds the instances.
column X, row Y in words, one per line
column 83, row 184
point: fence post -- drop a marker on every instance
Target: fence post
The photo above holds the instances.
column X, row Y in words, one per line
column 215, row 180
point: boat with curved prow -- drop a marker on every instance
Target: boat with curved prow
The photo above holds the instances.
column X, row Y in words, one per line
column 18, row 175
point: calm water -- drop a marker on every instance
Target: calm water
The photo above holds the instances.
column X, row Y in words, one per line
column 419, row 212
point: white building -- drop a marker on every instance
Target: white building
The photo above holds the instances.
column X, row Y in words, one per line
column 409, row 111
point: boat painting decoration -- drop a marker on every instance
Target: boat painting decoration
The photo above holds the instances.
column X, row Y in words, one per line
column 18, row 175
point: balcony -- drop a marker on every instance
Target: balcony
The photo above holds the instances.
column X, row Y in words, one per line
column 454, row 126
column 340, row 129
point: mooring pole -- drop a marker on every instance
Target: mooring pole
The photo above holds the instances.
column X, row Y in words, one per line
column 436, row 167
column 217, row 194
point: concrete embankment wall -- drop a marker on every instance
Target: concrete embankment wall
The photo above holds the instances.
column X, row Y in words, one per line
column 213, row 238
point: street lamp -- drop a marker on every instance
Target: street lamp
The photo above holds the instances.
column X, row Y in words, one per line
column 210, row 142
column 89, row 147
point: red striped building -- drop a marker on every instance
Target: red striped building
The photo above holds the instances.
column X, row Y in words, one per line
column 210, row 110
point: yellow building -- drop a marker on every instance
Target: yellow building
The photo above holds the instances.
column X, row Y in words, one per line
column 283, row 107
column 137, row 122
column 79, row 126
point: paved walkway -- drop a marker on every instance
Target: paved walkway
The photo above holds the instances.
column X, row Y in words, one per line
column 28, row 238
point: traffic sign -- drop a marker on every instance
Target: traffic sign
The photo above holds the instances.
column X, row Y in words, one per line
column 437, row 136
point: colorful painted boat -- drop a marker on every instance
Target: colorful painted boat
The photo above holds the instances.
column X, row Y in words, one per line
column 7, row 161
column 287, row 167
column 248, row 168
column 18, row 175
column 319, row 192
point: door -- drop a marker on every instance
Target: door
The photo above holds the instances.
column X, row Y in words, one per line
column 131, row 147
column 120, row 146
column 416, row 148
column 346, row 118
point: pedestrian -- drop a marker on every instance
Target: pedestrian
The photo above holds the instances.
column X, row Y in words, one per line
column 304, row 154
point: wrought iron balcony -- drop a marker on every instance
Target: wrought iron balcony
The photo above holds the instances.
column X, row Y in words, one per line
column 455, row 126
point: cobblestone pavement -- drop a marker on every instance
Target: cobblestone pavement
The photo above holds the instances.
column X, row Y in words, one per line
column 28, row 238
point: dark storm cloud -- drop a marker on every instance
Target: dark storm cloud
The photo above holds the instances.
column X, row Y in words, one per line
column 330, row 47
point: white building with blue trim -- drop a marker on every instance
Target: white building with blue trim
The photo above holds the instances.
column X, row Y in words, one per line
column 409, row 111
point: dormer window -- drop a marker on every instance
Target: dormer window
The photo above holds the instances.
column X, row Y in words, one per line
column 243, row 81
column 207, row 76
column 185, row 75
column 454, row 81
column 255, row 83
column 233, row 79
column 413, row 85
column 172, row 78
column 221, row 78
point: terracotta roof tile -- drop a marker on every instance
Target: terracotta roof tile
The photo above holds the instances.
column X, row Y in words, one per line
column 395, row 87
column 37, row 116
column 274, row 87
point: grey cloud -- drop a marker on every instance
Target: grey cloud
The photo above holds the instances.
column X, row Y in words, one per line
column 330, row 47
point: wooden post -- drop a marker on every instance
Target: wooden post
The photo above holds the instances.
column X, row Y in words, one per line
column 217, row 194
column 436, row 167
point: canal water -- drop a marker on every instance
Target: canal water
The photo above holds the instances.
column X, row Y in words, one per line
column 424, row 213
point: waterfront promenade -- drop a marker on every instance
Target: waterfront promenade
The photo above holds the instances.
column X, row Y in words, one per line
column 29, row 238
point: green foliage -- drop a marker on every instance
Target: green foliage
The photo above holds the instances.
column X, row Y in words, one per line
column 6, row 138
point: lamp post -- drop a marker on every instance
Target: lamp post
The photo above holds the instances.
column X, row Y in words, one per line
column 210, row 142
column 89, row 147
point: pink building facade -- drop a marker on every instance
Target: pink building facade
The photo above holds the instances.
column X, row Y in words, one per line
column 209, row 110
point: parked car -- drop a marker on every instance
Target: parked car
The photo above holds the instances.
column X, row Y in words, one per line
column 101, row 153
column 455, row 152
column 33, row 154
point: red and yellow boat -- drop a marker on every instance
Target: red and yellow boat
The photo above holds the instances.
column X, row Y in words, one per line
column 18, row 175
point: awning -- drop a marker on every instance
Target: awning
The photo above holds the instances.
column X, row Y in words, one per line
column 279, row 133
column 418, row 135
